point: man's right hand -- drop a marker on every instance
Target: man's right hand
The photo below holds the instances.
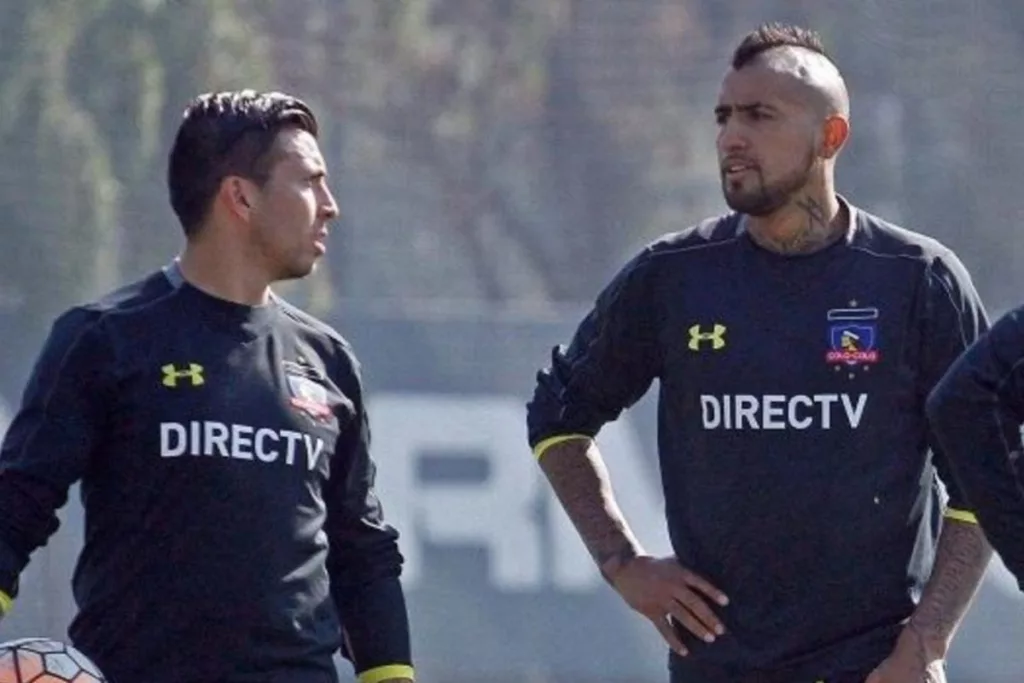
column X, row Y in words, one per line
column 665, row 592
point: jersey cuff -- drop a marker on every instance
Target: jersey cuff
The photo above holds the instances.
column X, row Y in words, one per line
column 6, row 603
column 386, row 672
column 961, row 515
column 540, row 448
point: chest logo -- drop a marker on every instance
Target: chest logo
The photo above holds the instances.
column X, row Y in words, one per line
column 172, row 375
column 307, row 395
column 852, row 336
column 713, row 339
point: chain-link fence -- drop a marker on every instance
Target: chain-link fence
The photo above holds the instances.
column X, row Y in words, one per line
column 495, row 161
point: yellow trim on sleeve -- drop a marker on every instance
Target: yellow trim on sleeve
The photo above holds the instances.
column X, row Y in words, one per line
column 6, row 603
column 386, row 672
column 961, row 516
column 539, row 449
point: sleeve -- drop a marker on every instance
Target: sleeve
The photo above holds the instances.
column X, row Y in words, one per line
column 607, row 367
column 364, row 561
column 976, row 411
column 954, row 318
column 49, row 442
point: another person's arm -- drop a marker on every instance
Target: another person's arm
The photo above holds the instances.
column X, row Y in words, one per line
column 976, row 412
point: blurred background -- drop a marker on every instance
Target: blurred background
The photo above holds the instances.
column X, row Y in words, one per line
column 496, row 162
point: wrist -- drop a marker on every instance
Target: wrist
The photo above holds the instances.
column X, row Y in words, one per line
column 931, row 644
column 612, row 564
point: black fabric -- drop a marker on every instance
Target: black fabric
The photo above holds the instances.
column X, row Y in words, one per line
column 223, row 457
column 797, row 465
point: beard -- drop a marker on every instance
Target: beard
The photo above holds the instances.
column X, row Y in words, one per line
column 763, row 199
column 279, row 263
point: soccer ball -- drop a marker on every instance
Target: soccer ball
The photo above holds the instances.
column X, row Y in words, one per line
column 41, row 660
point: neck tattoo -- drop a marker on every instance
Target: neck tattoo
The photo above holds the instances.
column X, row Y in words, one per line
column 814, row 233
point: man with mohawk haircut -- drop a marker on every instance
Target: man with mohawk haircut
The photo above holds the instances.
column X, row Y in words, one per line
column 795, row 341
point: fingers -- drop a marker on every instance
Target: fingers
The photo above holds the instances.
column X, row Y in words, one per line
column 669, row 634
column 699, row 619
column 693, row 615
column 704, row 586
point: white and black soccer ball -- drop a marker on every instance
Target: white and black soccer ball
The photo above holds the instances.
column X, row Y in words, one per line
column 43, row 660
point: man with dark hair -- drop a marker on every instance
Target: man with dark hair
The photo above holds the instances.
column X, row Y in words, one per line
column 220, row 435
column 978, row 409
column 794, row 340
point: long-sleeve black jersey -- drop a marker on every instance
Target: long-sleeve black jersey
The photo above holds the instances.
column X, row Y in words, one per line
column 228, row 492
column 977, row 410
column 792, row 437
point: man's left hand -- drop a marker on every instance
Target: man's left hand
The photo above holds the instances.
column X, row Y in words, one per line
column 911, row 661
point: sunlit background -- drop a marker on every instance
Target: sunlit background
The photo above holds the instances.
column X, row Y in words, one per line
column 496, row 161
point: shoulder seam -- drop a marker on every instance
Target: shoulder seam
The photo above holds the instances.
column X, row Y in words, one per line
column 692, row 247
column 952, row 302
column 48, row 397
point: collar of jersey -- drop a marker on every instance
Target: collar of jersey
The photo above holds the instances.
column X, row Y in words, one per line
column 221, row 313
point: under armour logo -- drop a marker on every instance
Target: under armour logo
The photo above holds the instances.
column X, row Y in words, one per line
column 716, row 336
column 194, row 372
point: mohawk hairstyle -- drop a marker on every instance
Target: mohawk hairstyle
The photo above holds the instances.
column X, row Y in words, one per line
column 772, row 35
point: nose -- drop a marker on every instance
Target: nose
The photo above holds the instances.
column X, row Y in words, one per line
column 328, row 205
column 731, row 137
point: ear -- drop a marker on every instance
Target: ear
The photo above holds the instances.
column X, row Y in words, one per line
column 835, row 131
column 238, row 196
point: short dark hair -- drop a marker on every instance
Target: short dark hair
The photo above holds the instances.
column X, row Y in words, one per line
column 227, row 133
column 772, row 35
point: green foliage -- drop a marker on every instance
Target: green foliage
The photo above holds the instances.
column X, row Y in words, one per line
column 90, row 93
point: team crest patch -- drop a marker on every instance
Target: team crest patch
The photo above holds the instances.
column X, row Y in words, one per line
column 852, row 336
column 306, row 394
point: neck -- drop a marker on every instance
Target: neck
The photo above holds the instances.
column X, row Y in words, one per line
column 807, row 224
column 222, row 271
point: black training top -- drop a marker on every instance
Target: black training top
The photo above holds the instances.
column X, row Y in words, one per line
column 792, row 435
column 977, row 410
column 222, row 450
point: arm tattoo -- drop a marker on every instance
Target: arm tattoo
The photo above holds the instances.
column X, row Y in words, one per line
column 580, row 481
column 960, row 561
column 815, row 233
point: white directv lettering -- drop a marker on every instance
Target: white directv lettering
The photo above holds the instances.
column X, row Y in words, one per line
column 312, row 450
column 746, row 411
column 292, row 438
column 855, row 413
column 173, row 440
column 710, row 412
column 262, row 452
column 241, row 442
column 826, row 401
column 216, row 436
column 776, row 411
column 237, row 441
column 798, row 422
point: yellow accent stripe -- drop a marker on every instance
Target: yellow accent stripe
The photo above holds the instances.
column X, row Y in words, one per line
column 6, row 603
column 386, row 672
column 538, row 450
column 961, row 516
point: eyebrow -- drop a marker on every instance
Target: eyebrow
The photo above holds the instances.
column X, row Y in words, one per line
column 723, row 109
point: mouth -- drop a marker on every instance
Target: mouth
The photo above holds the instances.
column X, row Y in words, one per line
column 733, row 169
column 320, row 243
